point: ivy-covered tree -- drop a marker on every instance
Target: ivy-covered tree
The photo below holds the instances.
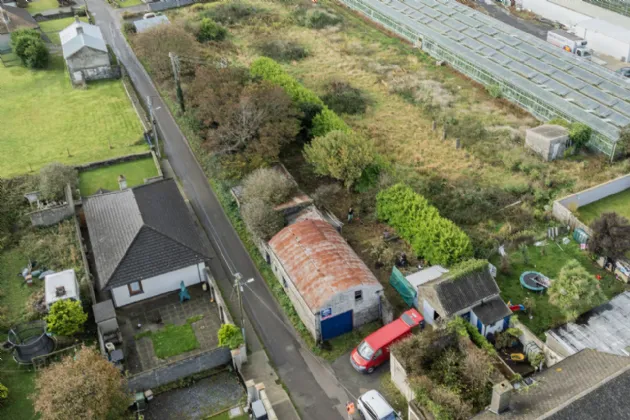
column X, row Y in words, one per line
column 54, row 177
column 575, row 290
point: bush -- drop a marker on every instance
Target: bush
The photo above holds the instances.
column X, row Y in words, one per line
column 261, row 219
column 268, row 185
column 431, row 236
column 327, row 121
column 340, row 155
column 466, row 329
column 623, row 144
column 283, row 51
column 129, row 28
column 30, row 48
column 345, row 99
column 53, row 179
column 66, row 317
column 268, row 69
column 209, row 30
column 230, row 336
column 494, row 91
column 579, row 134
column 320, row 19
column 4, row 394
column 575, row 290
column 231, row 12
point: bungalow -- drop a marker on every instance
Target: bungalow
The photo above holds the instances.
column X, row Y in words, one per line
column 473, row 296
column 144, row 242
column 331, row 288
column 84, row 50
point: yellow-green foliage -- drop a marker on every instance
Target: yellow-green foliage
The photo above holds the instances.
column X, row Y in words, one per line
column 66, row 317
column 431, row 236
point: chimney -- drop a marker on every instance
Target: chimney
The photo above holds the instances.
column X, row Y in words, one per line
column 79, row 30
column 501, row 394
column 122, row 182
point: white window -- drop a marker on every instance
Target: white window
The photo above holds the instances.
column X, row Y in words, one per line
column 135, row 288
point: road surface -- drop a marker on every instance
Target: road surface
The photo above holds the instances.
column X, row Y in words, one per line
column 311, row 383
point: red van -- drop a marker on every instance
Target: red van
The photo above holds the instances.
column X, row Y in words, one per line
column 374, row 350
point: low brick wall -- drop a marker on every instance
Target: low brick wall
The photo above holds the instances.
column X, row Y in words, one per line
column 163, row 375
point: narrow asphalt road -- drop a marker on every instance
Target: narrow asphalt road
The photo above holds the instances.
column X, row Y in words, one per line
column 311, row 384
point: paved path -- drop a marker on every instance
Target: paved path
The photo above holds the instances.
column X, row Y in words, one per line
column 312, row 385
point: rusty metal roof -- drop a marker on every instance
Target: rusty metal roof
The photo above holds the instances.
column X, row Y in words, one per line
column 319, row 261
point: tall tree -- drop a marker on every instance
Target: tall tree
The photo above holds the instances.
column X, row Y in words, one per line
column 82, row 386
column 575, row 290
column 611, row 235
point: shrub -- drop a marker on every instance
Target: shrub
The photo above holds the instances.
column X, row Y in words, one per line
column 611, row 235
column 66, row 317
column 209, row 30
column 129, row 28
column 465, row 328
column 327, row 121
column 575, row 290
column 494, row 91
column 467, row 267
column 231, row 12
column 4, row 394
column 230, row 336
column 340, row 155
column 30, row 48
column 345, row 99
column 53, row 179
column 268, row 69
column 268, row 185
column 283, row 51
column 623, row 144
column 431, row 236
column 506, row 338
column 320, row 19
column 579, row 134
column 261, row 219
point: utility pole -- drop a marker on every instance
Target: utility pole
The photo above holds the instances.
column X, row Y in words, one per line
column 178, row 87
column 153, row 127
column 239, row 290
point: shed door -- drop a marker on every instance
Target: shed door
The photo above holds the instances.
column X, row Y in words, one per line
column 336, row 325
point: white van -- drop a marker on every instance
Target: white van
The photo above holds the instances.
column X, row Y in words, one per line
column 373, row 406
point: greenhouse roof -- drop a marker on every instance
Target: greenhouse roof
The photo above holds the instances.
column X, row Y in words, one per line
column 580, row 89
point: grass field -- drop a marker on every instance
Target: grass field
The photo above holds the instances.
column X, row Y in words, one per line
column 546, row 315
column 107, row 177
column 129, row 3
column 617, row 203
column 45, row 120
column 37, row 6
column 52, row 27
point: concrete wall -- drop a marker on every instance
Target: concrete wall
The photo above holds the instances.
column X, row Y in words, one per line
column 492, row 329
column 555, row 12
column 178, row 370
column 399, row 378
column 87, row 58
column 428, row 312
column 557, row 346
column 161, row 284
column 551, row 356
column 561, row 207
column 215, row 294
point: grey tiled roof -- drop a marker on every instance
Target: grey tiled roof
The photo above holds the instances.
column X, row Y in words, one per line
column 570, row 382
column 492, row 311
column 464, row 292
column 140, row 233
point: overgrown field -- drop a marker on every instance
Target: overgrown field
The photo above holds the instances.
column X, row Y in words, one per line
column 45, row 120
column 387, row 92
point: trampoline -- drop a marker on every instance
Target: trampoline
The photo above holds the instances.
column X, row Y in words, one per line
column 30, row 340
column 534, row 281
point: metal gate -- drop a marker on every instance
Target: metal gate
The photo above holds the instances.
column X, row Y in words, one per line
column 336, row 325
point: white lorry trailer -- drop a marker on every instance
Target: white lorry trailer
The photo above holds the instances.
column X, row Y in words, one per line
column 569, row 42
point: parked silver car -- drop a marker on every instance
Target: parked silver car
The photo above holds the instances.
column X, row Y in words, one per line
column 373, row 406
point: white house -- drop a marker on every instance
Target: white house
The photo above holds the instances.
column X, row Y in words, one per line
column 473, row 296
column 144, row 242
column 61, row 286
column 83, row 47
column 331, row 288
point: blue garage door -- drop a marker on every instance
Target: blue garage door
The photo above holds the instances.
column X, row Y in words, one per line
column 336, row 325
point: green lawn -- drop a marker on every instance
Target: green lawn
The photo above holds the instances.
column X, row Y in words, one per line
column 107, row 177
column 173, row 340
column 129, row 3
column 20, row 382
column 226, row 416
column 45, row 120
column 546, row 315
column 41, row 5
column 618, row 203
column 52, row 27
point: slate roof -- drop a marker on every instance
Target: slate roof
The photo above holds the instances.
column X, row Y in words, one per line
column 492, row 311
column 18, row 19
column 587, row 382
column 72, row 41
column 319, row 261
column 464, row 292
column 140, row 233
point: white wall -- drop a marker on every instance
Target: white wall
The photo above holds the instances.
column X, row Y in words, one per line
column 554, row 12
column 364, row 310
column 604, row 44
column 88, row 58
column 161, row 284
column 427, row 312
column 495, row 328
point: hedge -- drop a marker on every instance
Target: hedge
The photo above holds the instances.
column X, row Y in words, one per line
column 430, row 235
column 325, row 121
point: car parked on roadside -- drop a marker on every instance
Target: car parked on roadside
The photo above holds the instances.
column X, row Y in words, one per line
column 373, row 406
column 373, row 351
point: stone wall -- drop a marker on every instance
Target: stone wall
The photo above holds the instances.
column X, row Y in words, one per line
column 561, row 207
column 54, row 215
column 101, row 73
column 113, row 161
column 172, row 372
column 215, row 294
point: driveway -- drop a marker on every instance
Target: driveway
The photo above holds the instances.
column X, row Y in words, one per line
column 355, row 382
column 313, row 387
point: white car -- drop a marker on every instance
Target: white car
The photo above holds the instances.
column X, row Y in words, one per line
column 373, row 406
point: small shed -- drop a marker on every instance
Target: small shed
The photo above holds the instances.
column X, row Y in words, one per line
column 60, row 286
column 548, row 140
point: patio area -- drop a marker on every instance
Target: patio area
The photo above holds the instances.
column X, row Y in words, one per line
column 142, row 323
